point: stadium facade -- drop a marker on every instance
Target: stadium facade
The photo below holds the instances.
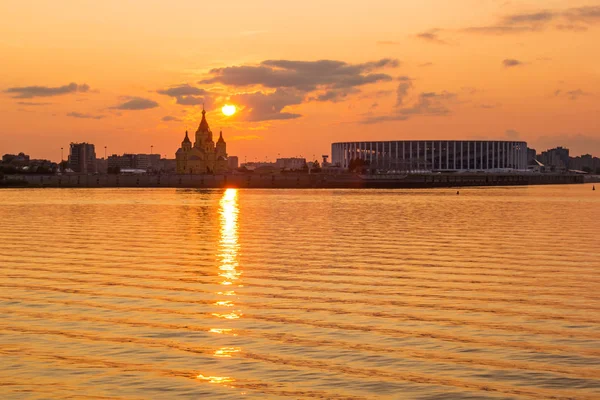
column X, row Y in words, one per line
column 432, row 155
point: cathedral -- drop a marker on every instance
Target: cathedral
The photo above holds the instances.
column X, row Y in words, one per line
column 204, row 157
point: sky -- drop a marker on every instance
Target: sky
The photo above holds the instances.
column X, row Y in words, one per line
column 133, row 75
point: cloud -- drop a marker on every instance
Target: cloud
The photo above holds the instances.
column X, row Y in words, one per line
column 84, row 115
column 571, row 94
column 576, row 19
column 28, row 92
column 427, row 104
column 510, row 62
column 427, row 64
column 183, row 90
column 431, row 36
column 136, row 103
column 302, row 75
column 335, row 95
column 402, row 91
column 188, row 95
column 169, row 118
column 32, row 103
column 260, row 106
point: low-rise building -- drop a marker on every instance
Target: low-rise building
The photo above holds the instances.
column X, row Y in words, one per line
column 291, row 163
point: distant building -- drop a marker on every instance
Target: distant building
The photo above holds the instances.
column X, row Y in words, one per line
column 101, row 165
column 126, row 161
column 556, row 159
column 232, row 162
column 292, row 163
column 585, row 163
column 531, row 156
column 82, row 158
column 167, row 165
column 430, row 155
column 146, row 162
column 16, row 160
column 252, row 166
column 204, row 156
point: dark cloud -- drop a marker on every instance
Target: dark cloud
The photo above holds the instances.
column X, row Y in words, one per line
column 260, row 106
column 32, row 103
column 332, row 95
column 402, row 91
column 183, row 90
column 84, row 115
column 427, row 104
column 431, row 36
column 510, row 62
column 136, row 103
column 28, row 92
column 170, row 118
column 187, row 95
column 571, row 94
column 536, row 17
column 303, row 75
column 570, row 19
column 498, row 29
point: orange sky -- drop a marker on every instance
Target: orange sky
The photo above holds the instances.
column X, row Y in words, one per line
column 428, row 69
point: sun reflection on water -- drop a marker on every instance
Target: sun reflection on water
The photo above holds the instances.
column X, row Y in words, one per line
column 227, row 257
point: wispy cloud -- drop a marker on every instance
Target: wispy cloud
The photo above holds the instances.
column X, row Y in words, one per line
column 571, row 94
column 75, row 114
column 170, row 118
column 511, row 62
column 431, row 36
column 136, row 103
column 576, row 19
column 32, row 103
column 28, row 92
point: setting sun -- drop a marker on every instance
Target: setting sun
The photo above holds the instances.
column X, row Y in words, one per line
column 228, row 109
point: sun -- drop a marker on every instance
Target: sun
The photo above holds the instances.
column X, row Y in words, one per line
column 229, row 109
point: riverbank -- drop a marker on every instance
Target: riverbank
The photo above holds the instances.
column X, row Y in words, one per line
column 286, row 181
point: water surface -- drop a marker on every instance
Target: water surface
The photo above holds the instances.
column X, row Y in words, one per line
column 327, row 294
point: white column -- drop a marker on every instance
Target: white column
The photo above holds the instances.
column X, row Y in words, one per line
column 397, row 158
column 454, row 158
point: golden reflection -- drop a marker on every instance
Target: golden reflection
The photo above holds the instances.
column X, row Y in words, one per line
column 223, row 380
column 226, row 351
column 222, row 331
column 227, row 258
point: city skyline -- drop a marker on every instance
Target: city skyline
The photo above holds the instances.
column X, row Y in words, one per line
column 503, row 71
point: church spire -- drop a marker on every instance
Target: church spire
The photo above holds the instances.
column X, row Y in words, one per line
column 186, row 139
column 203, row 127
column 221, row 140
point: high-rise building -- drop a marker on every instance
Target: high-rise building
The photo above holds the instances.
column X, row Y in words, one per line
column 531, row 156
column 233, row 162
column 82, row 158
column 557, row 158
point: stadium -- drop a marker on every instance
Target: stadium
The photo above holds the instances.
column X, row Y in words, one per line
column 432, row 155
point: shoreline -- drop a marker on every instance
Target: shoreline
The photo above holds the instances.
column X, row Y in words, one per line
column 290, row 181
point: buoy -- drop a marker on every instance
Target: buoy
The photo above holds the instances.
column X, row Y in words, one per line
column 593, row 187
column 457, row 193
